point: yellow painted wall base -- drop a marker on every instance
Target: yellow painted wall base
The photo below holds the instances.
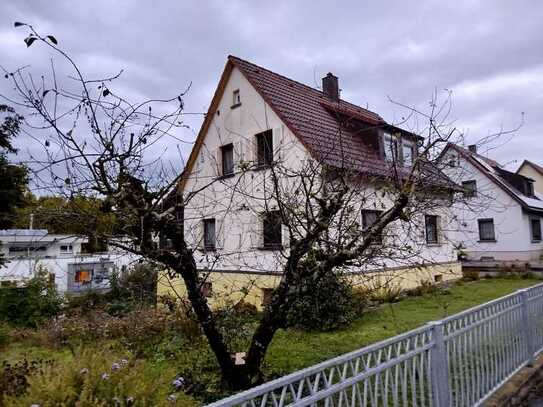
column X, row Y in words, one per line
column 249, row 287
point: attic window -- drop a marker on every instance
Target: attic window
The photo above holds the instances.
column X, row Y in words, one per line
column 236, row 99
column 66, row 248
column 408, row 153
column 529, row 188
column 390, row 144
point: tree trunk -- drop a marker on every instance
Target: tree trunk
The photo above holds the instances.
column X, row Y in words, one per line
column 232, row 375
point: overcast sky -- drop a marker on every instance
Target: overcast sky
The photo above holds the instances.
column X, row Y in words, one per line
column 490, row 54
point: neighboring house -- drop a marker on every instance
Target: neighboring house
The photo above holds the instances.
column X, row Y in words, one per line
column 257, row 117
column 533, row 171
column 501, row 218
column 26, row 251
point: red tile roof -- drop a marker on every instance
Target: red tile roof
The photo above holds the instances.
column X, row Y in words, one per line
column 337, row 133
column 313, row 118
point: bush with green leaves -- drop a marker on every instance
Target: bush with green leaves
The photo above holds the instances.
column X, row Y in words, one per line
column 325, row 304
column 32, row 304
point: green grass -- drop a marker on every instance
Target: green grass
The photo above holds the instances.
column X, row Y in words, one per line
column 292, row 350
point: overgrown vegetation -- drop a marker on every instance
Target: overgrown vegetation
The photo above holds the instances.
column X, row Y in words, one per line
column 326, row 304
column 63, row 361
column 31, row 305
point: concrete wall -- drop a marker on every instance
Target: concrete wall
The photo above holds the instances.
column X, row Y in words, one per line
column 229, row 288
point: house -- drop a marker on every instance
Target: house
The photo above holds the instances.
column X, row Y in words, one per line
column 502, row 214
column 258, row 117
column 533, row 171
column 25, row 251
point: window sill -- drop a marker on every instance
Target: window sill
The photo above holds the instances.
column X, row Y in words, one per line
column 487, row 241
column 260, row 167
column 536, row 241
column 235, row 106
column 434, row 244
column 271, row 248
column 226, row 176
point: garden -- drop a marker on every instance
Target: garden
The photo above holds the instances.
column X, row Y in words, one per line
column 120, row 349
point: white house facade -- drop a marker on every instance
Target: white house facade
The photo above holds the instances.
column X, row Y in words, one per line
column 257, row 117
column 533, row 171
column 27, row 251
column 501, row 219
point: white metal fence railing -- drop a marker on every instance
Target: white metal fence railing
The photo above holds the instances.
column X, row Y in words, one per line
column 457, row 361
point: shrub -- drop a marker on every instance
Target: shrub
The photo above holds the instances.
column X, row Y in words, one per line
column 324, row 304
column 470, row 275
column 100, row 378
column 4, row 334
column 31, row 305
column 374, row 291
column 14, row 377
column 140, row 283
column 427, row 287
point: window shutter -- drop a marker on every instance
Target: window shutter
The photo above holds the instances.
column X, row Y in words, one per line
column 440, row 232
column 256, row 231
column 239, row 154
column 254, row 150
column 219, row 233
column 285, row 236
column 218, row 163
column 199, row 234
column 278, row 143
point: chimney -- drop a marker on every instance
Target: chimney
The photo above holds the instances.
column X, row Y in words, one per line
column 31, row 222
column 473, row 148
column 330, row 87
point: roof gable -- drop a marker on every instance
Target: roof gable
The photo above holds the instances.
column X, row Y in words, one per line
column 323, row 126
column 310, row 116
column 535, row 166
column 505, row 180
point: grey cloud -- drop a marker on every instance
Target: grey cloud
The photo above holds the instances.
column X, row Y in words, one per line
column 478, row 49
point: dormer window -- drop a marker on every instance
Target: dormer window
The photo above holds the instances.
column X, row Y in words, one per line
column 236, row 99
column 529, row 188
column 390, row 145
column 408, row 153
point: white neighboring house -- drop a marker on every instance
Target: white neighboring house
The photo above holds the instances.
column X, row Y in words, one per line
column 503, row 216
column 26, row 251
column 258, row 117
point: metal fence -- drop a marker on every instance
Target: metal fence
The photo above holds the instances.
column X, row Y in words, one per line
column 457, row 361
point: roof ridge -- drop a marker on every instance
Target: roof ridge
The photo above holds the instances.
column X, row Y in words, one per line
column 320, row 92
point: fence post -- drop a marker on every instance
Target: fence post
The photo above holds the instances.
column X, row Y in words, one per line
column 439, row 366
column 527, row 331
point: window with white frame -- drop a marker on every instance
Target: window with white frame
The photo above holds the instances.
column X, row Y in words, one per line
column 390, row 146
column 486, row 230
column 432, row 229
column 210, row 242
column 264, row 148
column 236, row 98
column 369, row 217
column 272, row 230
column 470, row 188
column 408, row 153
column 66, row 248
column 535, row 229
column 227, row 159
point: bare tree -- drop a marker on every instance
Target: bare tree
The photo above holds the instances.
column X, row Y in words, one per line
column 96, row 143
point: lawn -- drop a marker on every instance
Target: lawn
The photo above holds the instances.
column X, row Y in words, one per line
column 290, row 349
column 293, row 350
